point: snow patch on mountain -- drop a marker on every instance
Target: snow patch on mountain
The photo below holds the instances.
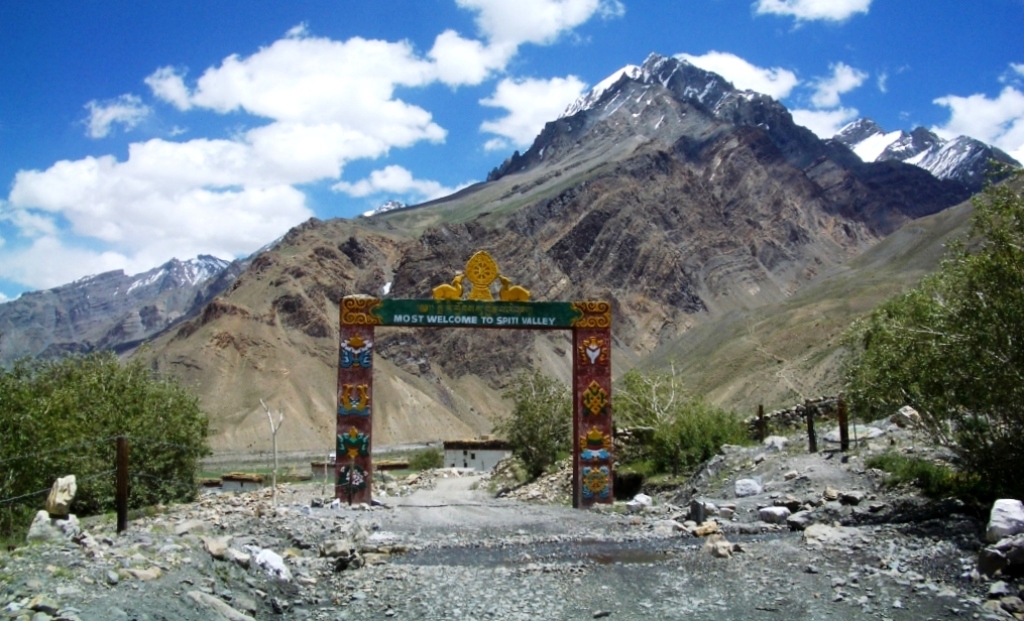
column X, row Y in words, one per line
column 871, row 147
column 590, row 99
column 386, row 207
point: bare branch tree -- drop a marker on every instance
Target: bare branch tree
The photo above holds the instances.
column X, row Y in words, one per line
column 273, row 433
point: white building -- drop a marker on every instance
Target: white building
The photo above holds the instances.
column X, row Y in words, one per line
column 480, row 455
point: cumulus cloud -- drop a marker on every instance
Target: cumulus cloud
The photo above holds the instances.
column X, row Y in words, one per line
column 395, row 180
column 529, row 104
column 828, row 90
column 510, row 24
column 126, row 110
column 774, row 81
column 824, row 123
column 811, row 10
column 998, row 121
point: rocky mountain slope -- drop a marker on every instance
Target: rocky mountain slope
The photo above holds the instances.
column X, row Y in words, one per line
column 680, row 199
column 110, row 310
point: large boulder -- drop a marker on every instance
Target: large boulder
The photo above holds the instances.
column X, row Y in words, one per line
column 1005, row 520
column 58, row 503
column 46, row 529
column 748, row 487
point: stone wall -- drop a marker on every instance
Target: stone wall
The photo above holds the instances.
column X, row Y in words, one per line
column 823, row 408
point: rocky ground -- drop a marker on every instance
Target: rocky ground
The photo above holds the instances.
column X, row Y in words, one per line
column 817, row 537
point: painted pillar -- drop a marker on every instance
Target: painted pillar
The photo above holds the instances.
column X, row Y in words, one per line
column 353, row 465
column 592, row 405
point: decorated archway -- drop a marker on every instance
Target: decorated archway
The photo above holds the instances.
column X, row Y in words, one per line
column 457, row 306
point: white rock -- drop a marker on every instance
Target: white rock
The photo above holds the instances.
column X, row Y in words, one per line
column 857, row 432
column 748, row 487
column 773, row 515
column 53, row 530
column 775, row 443
column 1005, row 520
column 639, row 503
column 272, row 563
column 58, row 503
column 906, row 416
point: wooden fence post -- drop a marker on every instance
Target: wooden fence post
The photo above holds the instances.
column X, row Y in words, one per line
column 121, row 484
column 812, row 439
column 844, row 426
column 762, row 425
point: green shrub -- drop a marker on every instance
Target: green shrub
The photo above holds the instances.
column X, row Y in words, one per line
column 686, row 430
column 427, row 459
column 62, row 417
column 935, row 480
column 540, row 424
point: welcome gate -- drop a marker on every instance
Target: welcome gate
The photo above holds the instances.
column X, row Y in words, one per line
column 456, row 306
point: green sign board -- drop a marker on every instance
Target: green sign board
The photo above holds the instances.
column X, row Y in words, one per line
column 476, row 314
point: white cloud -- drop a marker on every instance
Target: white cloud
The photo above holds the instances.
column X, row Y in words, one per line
column 844, row 79
column 506, row 23
column 775, row 81
column 127, row 111
column 882, row 81
column 166, row 200
column 168, row 83
column 466, row 61
column 28, row 223
column 1013, row 75
column 48, row 262
column 824, row 123
column 4, row 298
column 395, row 180
column 998, row 121
column 809, row 10
column 530, row 103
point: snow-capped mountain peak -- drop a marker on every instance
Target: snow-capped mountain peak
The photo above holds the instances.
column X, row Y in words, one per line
column 962, row 159
column 590, row 99
column 386, row 207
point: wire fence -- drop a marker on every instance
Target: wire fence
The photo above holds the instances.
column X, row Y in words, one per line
column 88, row 461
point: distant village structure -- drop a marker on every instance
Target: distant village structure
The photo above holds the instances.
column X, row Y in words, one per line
column 480, row 454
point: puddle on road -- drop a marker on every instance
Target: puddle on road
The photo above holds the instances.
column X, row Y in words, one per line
column 518, row 555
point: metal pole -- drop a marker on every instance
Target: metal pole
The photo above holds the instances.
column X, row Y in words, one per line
column 812, row 439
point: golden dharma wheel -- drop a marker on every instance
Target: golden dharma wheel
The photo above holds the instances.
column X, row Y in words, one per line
column 481, row 270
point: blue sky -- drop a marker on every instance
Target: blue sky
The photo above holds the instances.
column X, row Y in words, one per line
column 133, row 132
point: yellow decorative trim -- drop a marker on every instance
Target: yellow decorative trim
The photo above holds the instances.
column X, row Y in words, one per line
column 593, row 351
column 450, row 292
column 357, row 310
column 481, row 272
column 595, row 315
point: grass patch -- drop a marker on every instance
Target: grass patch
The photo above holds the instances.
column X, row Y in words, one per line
column 935, row 480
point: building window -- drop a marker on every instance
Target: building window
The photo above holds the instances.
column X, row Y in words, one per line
column 472, row 455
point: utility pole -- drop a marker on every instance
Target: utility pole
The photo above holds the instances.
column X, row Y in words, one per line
column 273, row 434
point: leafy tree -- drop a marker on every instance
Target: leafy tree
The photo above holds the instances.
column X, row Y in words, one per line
column 685, row 430
column 540, row 424
column 427, row 459
column 953, row 347
column 62, row 417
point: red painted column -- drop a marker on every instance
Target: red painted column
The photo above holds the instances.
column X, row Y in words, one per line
column 592, row 415
column 353, row 464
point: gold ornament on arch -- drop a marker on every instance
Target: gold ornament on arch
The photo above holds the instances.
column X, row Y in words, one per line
column 481, row 272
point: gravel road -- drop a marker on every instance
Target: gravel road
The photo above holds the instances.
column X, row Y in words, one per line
column 443, row 548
